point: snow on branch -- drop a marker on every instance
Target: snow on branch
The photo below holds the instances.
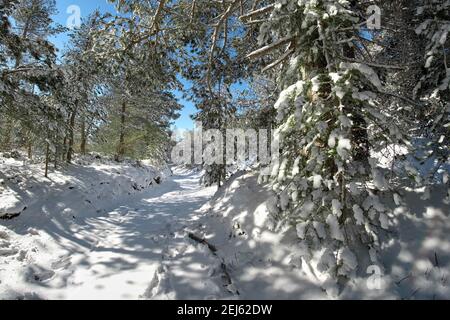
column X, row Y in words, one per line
column 258, row 12
column 269, row 48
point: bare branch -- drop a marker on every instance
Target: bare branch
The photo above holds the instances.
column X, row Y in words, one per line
column 257, row 12
column 280, row 60
column 269, row 48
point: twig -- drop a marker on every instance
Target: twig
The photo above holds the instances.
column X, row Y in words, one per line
column 280, row 60
column 257, row 12
column 265, row 50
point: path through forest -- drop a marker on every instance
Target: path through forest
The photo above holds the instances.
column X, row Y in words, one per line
column 138, row 250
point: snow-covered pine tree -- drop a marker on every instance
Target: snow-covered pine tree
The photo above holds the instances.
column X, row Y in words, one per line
column 434, row 86
column 329, row 187
column 83, row 86
column 215, row 40
column 28, row 74
column 140, row 63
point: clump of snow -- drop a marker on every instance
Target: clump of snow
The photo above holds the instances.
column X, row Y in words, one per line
column 11, row 204
column 336, row 207
column 301, row 229
column 366, row 71
column 348, row 258
column 335, row 230
column 343, row 147
column 359, row 214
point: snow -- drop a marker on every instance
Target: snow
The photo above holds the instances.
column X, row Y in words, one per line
column 358, row 214
column 335, row 230
column 344, row 145
column 62, row 248
column 336, row 207
column 348, row 258
column 273, row 265
column 301, row 229
column 365, row 70
column 317, row 181
column 134, row 244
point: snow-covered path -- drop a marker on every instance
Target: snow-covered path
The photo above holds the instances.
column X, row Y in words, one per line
column 138, row 250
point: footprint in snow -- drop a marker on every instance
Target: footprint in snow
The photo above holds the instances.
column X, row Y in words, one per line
column 36, row 274
column 6, row 252
column 62, row 263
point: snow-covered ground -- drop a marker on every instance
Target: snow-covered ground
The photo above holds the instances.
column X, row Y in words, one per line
column 100, row 230
column 266, row 265
column 77, row 241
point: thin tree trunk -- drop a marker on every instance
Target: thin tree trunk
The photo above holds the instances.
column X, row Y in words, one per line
column 55, row 163
column 7, row 136
column 47, row 158
column 121, row 145
column 64, row 148
column 71, row 136
column 83, row 136
column 30, row 150
column 29, row 145
column 360, row 136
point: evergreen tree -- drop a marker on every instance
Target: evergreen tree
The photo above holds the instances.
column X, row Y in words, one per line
column 328, row 117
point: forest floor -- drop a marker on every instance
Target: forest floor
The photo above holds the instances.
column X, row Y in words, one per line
column 137, row 250
column 108, row 231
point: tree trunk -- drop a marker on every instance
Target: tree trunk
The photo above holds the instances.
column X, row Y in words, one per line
column 6, row 143
column 360, row 137
column 71, row 136
column 30, row 150
column 83, row 136
column 55, row 163
column 47, row 158
column 121, row 145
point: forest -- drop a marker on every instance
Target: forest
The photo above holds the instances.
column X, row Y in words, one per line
column 96, row 201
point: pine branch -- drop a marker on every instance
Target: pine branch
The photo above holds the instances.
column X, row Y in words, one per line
column 269, row 48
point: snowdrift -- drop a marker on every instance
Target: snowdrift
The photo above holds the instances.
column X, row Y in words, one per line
column 266, row 265
column 44, row 222
column 80, row 190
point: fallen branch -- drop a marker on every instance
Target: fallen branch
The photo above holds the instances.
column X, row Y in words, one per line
column 10, row 216
column 203, row 241
column 226, row 275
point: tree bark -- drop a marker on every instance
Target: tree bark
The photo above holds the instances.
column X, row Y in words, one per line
column 83, row 136
column 6, row 143
column 47, row 158
column 360, row 136
column 121, row 145
column 71, row 136
column 30, row 149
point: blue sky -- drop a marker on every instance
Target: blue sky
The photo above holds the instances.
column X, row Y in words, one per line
column 87, row 7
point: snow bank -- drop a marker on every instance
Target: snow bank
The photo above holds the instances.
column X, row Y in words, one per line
column 138, row 249
column 80, row 190
column 266, row 265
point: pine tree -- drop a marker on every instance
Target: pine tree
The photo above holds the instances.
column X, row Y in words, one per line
column 28, row 71
column 433, row 88
column 328, row 117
